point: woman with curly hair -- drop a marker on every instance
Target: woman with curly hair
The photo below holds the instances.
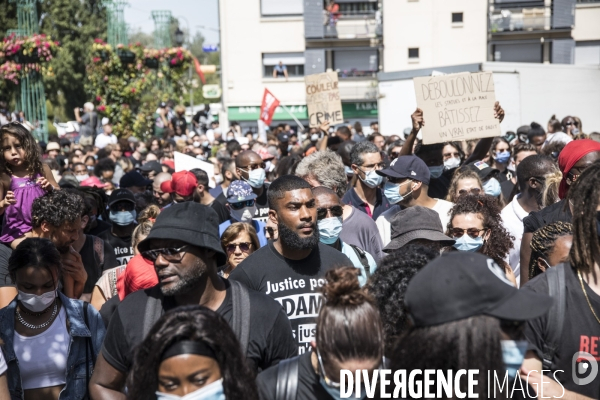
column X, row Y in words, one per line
column 465, row 181
column 388, row 285
column 190, row 349
column 476, row 226
column 550, row 246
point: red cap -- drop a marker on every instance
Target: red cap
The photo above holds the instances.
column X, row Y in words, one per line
column 169, row 163
column 183, row 183
column 93, row 182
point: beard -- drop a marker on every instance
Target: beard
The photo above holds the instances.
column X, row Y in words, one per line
column 187, row 282
column 292, row 240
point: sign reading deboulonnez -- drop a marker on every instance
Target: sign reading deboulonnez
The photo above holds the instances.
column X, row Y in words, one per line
column 457, row 106
column 323, row 99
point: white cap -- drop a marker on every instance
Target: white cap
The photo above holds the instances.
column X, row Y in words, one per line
column 88, row 106
column 105, row 121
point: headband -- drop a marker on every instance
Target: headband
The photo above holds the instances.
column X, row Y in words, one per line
column 188, row 347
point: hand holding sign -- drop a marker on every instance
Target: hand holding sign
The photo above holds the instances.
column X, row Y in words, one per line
column 323, row 99
column 417, row 120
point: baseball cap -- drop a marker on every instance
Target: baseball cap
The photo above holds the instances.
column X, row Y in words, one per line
column 408, row 167
column 264, row 154
column 239, row 191
column 162, row 104
column 416, row 223
column 283, row 137
column 93, row 181
column 105, row 121
column 460, row 285
column 134, row 178
column 180, row 221
column 152, row 166
column 120, row 195
column 482, row 169
column 183, row 183
column 52, row 146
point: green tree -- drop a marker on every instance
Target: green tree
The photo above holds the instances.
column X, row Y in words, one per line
column 145, row 39
column 75, row 24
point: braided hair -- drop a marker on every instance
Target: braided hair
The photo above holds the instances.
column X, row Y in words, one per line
column 543, row 241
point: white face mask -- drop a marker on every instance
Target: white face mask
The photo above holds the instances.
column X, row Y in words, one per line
column 218, row 179
column 452, row 162
column 244, row 215
column 35, row 303
column 82, row 178
column 213, row 391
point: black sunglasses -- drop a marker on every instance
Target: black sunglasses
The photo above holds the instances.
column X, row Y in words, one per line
column 244, row 247
column 241, row 204
column 171, row 254
column 473, row 191
column 336, row 211
column 472, row 232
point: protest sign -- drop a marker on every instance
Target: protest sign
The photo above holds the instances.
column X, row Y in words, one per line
column 184, row 162
column 323, row 99
column 457, row 106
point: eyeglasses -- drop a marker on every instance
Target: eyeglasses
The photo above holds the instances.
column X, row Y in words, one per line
column 456, row 154
column 171, row 254
column 372, row 167
column 252, row 167
column 473, row 191
column 472, row 232
column 336, row 211
column 244, row 247
column 242, row 204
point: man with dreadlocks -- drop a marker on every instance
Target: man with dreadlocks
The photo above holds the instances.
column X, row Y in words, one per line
column 565, row 342
column 550, row 246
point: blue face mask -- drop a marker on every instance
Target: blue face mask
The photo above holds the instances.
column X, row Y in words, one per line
column 122, row 218
column 348, row 170
column 436, row 171
column 467, row 243
column 256, row 178
column 335, row 392
column 290, row 148
column 330, row 229
column 372, row 179
column 502, row 156
column 513, row 354
column 392, row 192
column 492, row 187
column 213, row 391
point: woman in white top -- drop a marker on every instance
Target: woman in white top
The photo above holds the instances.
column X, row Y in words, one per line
column 50, row 341
column 4, row 395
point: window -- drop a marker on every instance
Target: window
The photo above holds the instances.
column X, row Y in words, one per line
column 355, row 63
column 294, row 63
column 413, row 53
column 269, row 8
column 457, row 18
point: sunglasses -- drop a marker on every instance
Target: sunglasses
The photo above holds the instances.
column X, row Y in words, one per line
column 473, row 191
column 336, row 211
column 472, row 232
column 244, row 247
column 252, row 167
column 171, row 254
column 241, row 204
column 571, row 123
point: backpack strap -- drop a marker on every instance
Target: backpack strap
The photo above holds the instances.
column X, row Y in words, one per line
column 152, row 313
column 89, row 350
column 556, row 314
column 287, row 379
column 241, row 314
column 362, row 256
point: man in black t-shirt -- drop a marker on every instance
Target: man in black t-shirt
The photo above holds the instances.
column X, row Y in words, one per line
column 123, row 217
column 292, row 268
column 203, row 196
column 184, row 245
column 250, row 167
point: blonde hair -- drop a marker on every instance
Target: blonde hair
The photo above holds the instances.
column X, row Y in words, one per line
column 145, row 223
column 462, row 173
column 550, row 193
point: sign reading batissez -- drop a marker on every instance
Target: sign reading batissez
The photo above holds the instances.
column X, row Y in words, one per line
column 457, row 106
column 323, row 99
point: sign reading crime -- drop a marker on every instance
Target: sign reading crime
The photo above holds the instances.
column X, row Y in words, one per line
column 457, row 106
column 323, row 99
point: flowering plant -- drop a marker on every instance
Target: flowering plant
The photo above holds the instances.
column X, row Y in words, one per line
column 39, row 47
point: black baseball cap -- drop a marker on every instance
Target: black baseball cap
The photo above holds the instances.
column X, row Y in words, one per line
column 283, row 137
column 134, row 178
column 121, row 195
column 181, row 221
column 481, row 168
column 408, row 167
column 162, row 104
column 416, row 223
column 152, row 166
column 460, row 285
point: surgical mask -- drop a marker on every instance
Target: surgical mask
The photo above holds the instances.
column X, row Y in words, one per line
column 269, row 166
column 392, row 192
column 467, row 243
column 452, row 162
column 35, row 303
column 575, row 131
column 314, row 137
column 372, row 179
column 230, row 138
column 197, row 144
column 123, row 218
column 513, row 354
column 213, row 391
column 335, row 392
column 256, row 178
column 492, row 187
column 218, row 179
column 289, row 149
column 206, row 143
column 330, row 229
column 82, row 178
column 348, row 170
column 502, row 156
column 243, row 215
column 436, row 171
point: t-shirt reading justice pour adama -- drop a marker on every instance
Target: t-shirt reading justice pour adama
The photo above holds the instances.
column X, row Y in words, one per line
column 293, row 283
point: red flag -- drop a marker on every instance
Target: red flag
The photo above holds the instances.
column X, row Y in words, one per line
column 199, row 71
column 267, row 109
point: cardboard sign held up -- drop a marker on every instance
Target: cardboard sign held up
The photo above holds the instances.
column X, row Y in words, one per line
column 323, row 99
column 183, row 162
column 457, row 107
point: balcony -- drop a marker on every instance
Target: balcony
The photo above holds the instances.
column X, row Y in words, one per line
column 349, row 20
column 352, row 26
column 520, row 19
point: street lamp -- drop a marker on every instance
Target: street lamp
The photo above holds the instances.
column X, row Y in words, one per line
column 179, row 37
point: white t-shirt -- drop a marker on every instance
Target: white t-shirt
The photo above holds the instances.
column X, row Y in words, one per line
column 443, row 208
column 3, row 366
column 512, row 219
column 103, row 140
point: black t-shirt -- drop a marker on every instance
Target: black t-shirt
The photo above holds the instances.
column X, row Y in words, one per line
column 581, row 332
column 121, row 246
column 5, row 252
column 221, row 210
column 102, row 226
column 293, row 283
column 179, row 122
column 554, row 213
column 108, row 309
column 262, row 205
column 97, row 256
column 270, row 338
column 438, row 187
column 221, row 198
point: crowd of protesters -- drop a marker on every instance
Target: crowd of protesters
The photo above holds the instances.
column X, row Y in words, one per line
column 297, row 255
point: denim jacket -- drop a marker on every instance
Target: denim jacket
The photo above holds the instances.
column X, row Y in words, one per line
column 75, row 388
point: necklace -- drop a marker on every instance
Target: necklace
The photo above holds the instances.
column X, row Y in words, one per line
column 586, row 296
column 26, row 312
column 31, row 326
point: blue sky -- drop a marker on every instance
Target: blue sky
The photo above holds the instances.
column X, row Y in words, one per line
column 197, row 12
